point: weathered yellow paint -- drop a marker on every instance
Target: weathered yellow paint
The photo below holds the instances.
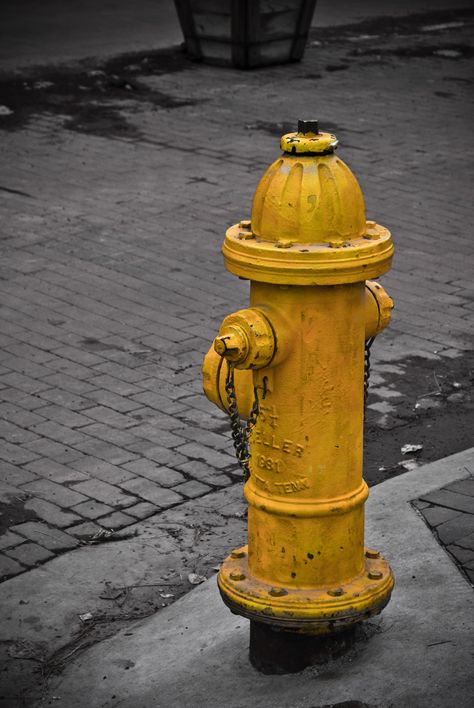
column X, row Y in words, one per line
column 305, row 567
column 214, row 372
column 378, row 308
column 308, row 143
column 311, row 610
column 308, row 227
column 246, row 339
column 298, row 200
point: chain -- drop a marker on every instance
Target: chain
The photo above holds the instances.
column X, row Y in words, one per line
column 368, row 344
column 241, row 433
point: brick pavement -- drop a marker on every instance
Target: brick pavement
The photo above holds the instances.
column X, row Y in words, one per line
column 112, row 285
column 449, row 512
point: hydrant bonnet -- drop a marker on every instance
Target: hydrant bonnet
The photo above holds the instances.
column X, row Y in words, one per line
column 308, row 224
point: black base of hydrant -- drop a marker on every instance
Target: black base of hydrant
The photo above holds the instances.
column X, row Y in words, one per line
column 274, row 651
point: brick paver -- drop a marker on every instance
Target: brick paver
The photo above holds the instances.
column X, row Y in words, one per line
column 152, row 492
column 9, row 540
column 52, row 539
column 51, row 513
column 9, row 567
column 116, row 520
column 61, row 495
column 29, row 554
column 164, row 476
column 55, row 471
column 104, row 492
column 192, row 489
column 92, row 509
column 112, row 285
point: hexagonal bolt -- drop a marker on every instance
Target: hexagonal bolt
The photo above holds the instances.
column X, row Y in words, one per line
column 237, row 576
column 375, row 575
column 371, row 553
column 237, row 554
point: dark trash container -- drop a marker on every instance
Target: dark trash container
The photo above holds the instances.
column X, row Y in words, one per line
column 245, row 33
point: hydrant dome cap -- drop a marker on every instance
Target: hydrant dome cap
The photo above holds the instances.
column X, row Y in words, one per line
column 308, row 222
column 308, row 195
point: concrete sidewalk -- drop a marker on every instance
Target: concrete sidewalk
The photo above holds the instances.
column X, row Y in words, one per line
column 417, row 654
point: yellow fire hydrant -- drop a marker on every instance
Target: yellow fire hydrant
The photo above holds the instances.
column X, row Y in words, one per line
column 293, row 365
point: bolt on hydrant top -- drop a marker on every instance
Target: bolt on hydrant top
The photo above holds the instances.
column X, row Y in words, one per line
column 308, row 222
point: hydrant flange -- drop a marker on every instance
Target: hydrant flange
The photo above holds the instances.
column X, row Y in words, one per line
column 327, row 263
column 309, row 610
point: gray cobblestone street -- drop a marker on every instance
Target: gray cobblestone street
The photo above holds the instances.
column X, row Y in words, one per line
column 112, row 285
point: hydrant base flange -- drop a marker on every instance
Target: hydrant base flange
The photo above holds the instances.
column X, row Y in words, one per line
column 315, row 610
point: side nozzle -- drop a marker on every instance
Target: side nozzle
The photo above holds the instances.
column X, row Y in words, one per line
column 246, row 339
column 378, row 308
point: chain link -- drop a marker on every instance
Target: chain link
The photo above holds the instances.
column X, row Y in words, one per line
column 368, row 345
column 241, row 433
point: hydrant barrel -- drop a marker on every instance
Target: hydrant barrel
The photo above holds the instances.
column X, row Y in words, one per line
column 293, row 363
column 306, row 492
